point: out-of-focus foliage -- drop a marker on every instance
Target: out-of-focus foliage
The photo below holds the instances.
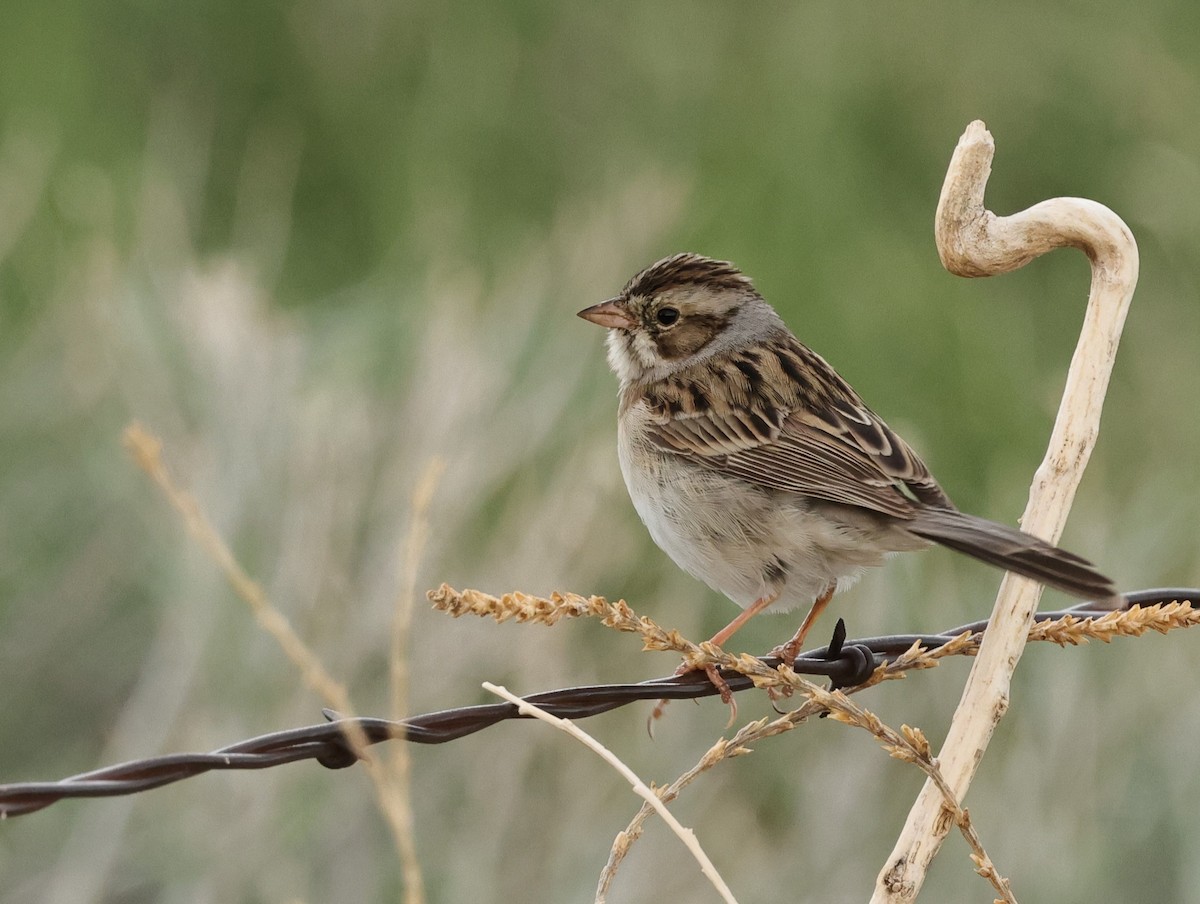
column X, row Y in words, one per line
column 314, row 244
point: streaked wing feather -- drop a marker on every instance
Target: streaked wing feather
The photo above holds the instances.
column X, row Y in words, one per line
column 801, row 459
column 865, row 435
column 804, row 431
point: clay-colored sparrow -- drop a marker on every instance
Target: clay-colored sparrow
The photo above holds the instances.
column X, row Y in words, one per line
column 759, row 470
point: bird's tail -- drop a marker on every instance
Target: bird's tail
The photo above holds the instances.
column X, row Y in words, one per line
column 1014, row 550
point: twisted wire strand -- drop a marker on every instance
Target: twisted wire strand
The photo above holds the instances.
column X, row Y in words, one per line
column 845, row 663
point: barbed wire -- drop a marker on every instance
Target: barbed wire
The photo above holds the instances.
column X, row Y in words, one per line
column 846, row 664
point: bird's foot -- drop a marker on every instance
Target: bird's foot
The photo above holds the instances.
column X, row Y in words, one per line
column 718, row 682
column 786, row 653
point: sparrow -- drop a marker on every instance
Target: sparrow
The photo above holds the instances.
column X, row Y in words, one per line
column 760, row 471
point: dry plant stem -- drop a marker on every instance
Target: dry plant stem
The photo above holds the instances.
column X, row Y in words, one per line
column 400, row 777
column 686, row 835
column 908, row 744
column 413, row 548
column 146, row 450
column 911, row 746
column 972, row 241
column 1072, row 630
column 719, row 752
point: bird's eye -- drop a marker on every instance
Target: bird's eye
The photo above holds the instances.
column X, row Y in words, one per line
column 667, row 316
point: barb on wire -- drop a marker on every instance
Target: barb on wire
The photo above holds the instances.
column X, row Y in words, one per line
column 846, row 664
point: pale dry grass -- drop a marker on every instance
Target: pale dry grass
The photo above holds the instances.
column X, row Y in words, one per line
column 303, row 427
column 907, row 744
column 390, row 776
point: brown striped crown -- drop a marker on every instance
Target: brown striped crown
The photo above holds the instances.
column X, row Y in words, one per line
column 684, row 269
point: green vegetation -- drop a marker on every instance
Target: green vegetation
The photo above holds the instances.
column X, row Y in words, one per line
column 312, row 245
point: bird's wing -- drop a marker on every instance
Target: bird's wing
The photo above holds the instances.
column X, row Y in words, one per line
column 821, row 443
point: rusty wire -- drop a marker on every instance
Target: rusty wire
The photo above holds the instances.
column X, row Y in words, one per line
column 845, row 663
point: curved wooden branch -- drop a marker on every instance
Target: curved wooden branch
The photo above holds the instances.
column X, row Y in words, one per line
column 973, row 241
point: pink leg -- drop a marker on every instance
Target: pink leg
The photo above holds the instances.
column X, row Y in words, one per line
column 744, row 616
column 719, row 639
column 789, row 651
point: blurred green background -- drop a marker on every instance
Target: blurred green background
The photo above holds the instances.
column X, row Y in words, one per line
column 313, row 245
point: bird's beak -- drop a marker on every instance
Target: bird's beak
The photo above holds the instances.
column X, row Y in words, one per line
column 612, row 314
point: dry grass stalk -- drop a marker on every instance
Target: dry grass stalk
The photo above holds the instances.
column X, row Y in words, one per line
column 399, row 777
column 908, row 744
column 146, row 450
column 1069, row 630
column 517, row 606
column 686, row 835
column 973, row 241
column 1161, row 617
column 524, row 607
column 911, row 746
column 410, row 557
column 723, row 749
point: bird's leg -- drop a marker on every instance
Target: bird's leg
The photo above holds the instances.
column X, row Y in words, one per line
column 719, row 640
column 787, row 652
column 744, row 616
